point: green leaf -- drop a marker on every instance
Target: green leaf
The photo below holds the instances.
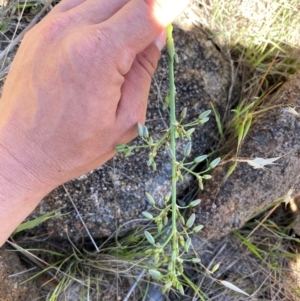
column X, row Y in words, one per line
column 190, row 221
column 202, row 121
column 200, row 182
column 187, row 245
column 200, row 158
column 140, row 130
column 247, row 125
column 154, row 273
column 198, row 228
column 150, row 162
column 183, row 113
column 167, row 197
column 187, row 150
column 196, row 260
column 167, row 102
column 37, row 221
column 128, row 152
column 180, row 288
column 150, row 198
column 121, row 148
column 248, row 244
column 190, row 131
column 170, row 153
column 215, row 267
column 204, row 114
column 195, row 203
column 214, row 163
column 218, row 121
column 149, row 237
column 168, row 285
column 147, row 215
column 145, row 132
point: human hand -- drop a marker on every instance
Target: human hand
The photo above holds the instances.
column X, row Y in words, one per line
column 76, row 89
column 78, row 86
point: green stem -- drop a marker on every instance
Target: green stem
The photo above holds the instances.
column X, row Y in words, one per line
column 173, row 124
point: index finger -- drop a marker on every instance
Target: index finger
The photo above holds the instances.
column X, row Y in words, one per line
column 138, row 23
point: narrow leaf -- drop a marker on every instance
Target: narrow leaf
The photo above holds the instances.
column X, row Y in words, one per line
column 190, row 131
column 170, row 153
column 214, row 163
column 200, row 159
column 149, row 237
column 140, row 130
column 215, row 267
column 183, row 113
column 195, row 203
column 247, row 125
column 190, row 221
column 187, row 150
column 187, row 245
column 198, row 228
column 150, row 198
column 154, row 273
column 147, row 215
column 121, row 148
column 196, row 260
column 37, row 221
column 204, row 114
column 204, row 120
column 145, row 132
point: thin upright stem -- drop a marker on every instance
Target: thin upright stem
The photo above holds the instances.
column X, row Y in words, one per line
column 173, row 125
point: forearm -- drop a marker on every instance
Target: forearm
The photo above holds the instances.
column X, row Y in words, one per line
column 20, row 190
column 15, row 206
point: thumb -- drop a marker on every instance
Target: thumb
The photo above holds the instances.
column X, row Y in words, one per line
column 135, row 90
column 136, row 25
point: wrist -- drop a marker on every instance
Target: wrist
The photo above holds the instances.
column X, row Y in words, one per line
column 21, row 187
column 19, row 194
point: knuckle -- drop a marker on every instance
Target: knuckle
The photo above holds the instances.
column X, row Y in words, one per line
column 50, row 30
column 122, row 55
column 147, row 60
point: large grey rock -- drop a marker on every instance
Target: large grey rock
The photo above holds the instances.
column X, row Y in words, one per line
column 276, row 133
column 115, row 193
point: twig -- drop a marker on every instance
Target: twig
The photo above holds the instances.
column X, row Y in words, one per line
column 81, row 219
column 5, row 52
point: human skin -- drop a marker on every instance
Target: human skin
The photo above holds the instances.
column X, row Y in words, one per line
column 76, row 89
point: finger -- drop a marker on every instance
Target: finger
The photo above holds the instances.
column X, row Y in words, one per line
column 135, row 90
column 66, row 5
column 139, row 22
column 95, row 11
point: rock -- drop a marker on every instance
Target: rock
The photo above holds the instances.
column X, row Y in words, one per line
column 276, row 133
column 114, row 194
column 12, row 285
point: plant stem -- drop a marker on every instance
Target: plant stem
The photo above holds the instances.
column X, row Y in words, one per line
column 173, row 124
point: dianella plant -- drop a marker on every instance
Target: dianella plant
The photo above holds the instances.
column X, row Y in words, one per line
column 171, row 240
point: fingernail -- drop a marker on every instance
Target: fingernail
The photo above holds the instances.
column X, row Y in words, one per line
column 161, row 40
